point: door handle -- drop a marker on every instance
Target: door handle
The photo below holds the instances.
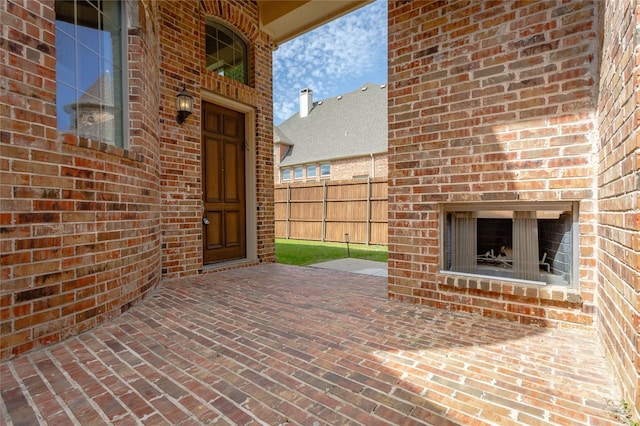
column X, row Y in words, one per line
column 205, row 221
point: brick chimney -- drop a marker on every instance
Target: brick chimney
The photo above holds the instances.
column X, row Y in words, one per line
column 306, row 102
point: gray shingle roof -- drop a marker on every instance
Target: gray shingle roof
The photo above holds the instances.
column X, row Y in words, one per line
column 99, row 94
column 351, row 125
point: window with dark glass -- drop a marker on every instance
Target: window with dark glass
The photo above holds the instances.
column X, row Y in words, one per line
column 527, row 242
column 226, row 52
column 89, row 69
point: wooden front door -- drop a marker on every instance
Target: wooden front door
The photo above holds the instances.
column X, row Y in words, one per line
column 223, row 183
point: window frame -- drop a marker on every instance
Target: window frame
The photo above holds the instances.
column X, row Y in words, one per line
column 315, row 171
column 560, row 206
column 286, row 172
column 322, row 174
column 235, row 34
column 121, row 140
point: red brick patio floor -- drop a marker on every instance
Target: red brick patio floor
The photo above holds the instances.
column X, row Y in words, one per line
column 277, row 345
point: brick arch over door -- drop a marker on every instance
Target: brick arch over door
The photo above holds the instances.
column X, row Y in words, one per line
column 240, row 19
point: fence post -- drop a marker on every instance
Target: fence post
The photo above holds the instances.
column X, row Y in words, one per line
column 368, row 224
column 287, row 210
column 324, row 210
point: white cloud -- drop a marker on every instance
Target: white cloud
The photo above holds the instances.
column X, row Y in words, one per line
column 333, row 59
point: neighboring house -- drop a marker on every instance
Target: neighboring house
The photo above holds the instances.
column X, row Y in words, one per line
column 93, row 115
column 340, row 138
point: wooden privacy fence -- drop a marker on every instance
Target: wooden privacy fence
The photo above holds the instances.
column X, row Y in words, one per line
column 327, row 210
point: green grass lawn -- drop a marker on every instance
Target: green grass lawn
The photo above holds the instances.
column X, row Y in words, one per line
column 302, row 253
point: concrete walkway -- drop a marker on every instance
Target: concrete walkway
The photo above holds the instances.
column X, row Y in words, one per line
column 282, row 345
column 357, row 266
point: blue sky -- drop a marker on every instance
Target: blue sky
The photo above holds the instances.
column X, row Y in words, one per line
column 337, row 58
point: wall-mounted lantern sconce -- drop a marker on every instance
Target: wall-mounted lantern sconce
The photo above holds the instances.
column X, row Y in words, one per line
column 184, row 105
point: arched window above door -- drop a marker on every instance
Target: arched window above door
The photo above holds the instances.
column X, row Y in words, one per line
column 226, row 52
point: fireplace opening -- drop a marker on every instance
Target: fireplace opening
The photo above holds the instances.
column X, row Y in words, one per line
column 532, row 245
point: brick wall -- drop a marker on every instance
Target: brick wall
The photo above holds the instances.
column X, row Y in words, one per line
column 618, row 226
column 362, row 166
column 489, row 102
column 180, row 173
column 80, row 219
